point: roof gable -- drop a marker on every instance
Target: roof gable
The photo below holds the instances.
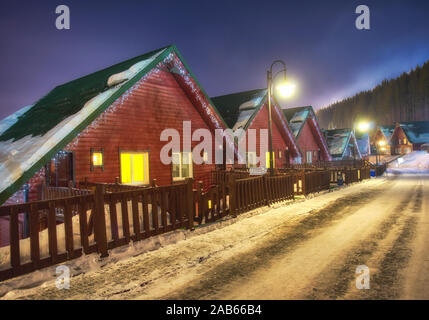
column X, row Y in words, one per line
column 238, row 109
column 417, row 131
column 27, row 149
column 338, row 140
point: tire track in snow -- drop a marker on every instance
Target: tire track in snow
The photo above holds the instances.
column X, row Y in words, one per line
column 285, row 239
column 342, row 276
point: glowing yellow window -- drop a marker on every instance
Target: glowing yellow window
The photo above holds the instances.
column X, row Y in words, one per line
column 267, row 160
column 135, row 168
column 97, row 159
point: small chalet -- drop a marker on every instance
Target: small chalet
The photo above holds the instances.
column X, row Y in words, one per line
column 364, row 144
column 342, row 144
column 381, row 140
column 105, row 126
column 309, row 136
column 409, row 136
column 249, row 110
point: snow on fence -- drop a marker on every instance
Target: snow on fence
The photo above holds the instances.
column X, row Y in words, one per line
column 113, row 215
column 118, row 218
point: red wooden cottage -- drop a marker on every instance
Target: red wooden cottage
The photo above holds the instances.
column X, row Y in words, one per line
column 309, row 136
column 409, row 136
column 381, row 140
column 249, row 110
column 107, row 125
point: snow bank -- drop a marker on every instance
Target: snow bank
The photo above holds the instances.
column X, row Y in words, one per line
column 412, row 163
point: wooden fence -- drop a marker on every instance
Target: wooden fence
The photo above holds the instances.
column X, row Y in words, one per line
column 107, row 218
column 51, row 193
column 118, row 217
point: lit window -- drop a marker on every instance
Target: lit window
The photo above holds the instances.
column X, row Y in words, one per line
column 251, row 159
column 267, row 160
column 280, row 154
column 182, row 165
column 135, row 168
column 97, row 159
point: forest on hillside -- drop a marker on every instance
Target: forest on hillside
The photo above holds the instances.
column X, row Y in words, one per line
column 405, row 98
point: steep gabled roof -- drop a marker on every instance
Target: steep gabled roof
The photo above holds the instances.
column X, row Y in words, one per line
column 32, row 136
column 417, row 131
column 338, row 141
column 362, row 140
column 239, row 109
column 297, row 117
column 387, row 131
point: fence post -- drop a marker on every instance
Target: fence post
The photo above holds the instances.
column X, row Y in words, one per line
column 232, row 195
column 100, row 221
column 190, row 202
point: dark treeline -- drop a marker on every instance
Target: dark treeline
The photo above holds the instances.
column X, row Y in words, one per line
column 405, row 98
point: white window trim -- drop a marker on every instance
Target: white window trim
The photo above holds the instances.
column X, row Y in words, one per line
column 191, row 170
column 254, row 165
column 136, row 183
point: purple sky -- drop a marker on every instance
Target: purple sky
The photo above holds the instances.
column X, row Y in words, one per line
column 228, row 44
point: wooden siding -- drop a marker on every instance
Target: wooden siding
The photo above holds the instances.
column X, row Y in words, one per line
column 279, row 144
column 135, row 124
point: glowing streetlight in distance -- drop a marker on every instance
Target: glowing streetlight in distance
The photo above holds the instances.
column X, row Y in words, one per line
column 381, row 143
column 286, row 89
column 364, row 126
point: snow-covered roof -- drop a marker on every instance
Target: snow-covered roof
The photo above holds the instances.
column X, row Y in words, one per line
column 238, row 109
column 387, row 131
column 416, row 132
column 297, row 117
column 362, row 140
column 33, row 135
column 338, row 140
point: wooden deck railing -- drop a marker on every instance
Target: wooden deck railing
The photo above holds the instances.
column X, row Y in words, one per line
column 119, row 217
column 51, row 193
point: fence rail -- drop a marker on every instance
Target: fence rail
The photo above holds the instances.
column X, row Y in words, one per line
column 107, row 218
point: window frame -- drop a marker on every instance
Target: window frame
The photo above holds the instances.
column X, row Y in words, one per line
column 255, row 165
column 191, row 168
column 148, row 166
column 92, row 151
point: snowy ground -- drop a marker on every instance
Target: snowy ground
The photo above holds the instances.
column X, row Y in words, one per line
column 309, row 249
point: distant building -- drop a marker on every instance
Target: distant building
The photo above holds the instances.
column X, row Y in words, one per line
column 381, row 140
column 309, row 136
column 409, row 136
column 342, row 144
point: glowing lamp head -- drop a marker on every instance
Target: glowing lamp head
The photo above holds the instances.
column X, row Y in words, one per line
column 381, row 143
column 363, row 126
column 286, row 89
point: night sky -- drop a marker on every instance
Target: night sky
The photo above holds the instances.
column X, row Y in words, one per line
column 228, row 44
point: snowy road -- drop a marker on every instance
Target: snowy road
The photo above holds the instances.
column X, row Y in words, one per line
column 306, row 250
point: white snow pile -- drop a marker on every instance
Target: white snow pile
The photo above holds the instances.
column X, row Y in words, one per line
column 8, row 122
column 16, row 157
column 414, row 162
column 131, row 72
column 246, row 110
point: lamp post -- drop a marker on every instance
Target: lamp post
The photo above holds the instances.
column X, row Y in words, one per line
column 286, row 90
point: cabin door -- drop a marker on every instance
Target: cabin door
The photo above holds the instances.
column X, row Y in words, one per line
column 61, row 170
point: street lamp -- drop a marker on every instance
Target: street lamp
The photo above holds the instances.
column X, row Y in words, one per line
column 286, row 90
column 362, row 126
column 381, row 144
